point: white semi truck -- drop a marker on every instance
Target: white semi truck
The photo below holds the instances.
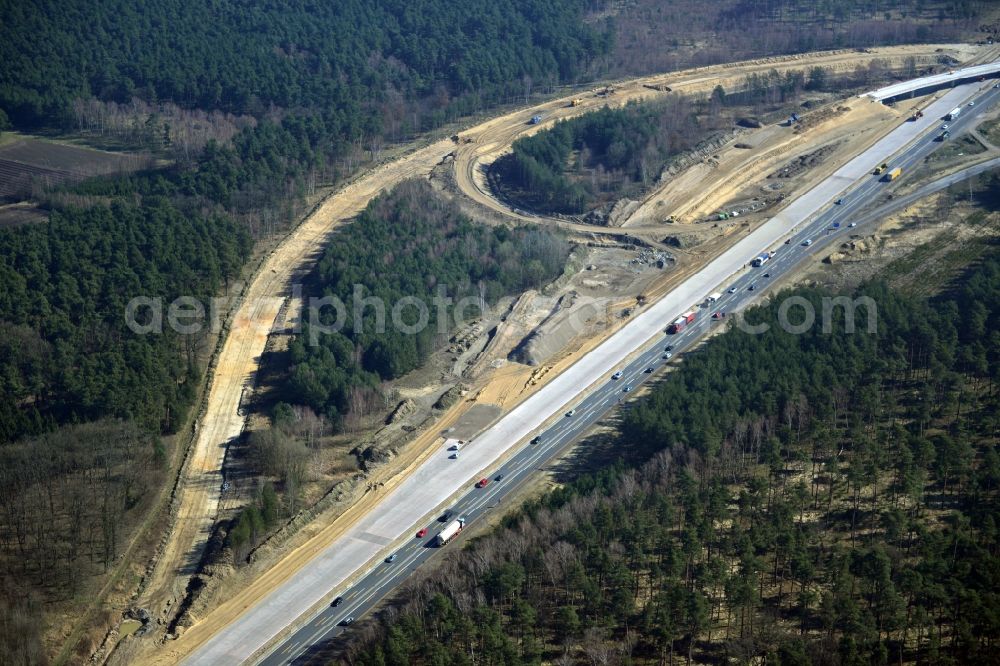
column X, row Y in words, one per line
column 449, row 532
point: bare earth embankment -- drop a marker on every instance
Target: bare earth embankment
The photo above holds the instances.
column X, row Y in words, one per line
column 236, row 366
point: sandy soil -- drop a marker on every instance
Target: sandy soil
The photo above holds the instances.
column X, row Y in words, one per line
column 706, row 187
column 483, row 144
column 502, row 387
column 237, row 365
column 934, row 238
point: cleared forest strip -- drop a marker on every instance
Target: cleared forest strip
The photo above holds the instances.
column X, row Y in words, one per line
column 240, row 354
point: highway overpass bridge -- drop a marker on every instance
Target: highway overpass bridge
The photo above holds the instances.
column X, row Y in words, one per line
column 928, row 84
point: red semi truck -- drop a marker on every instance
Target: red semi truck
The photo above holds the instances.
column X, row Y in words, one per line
column 678, row 324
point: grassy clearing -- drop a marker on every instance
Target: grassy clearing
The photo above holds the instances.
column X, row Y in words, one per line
column 953, row 148
column 991, row 130
column 933, row 264
column 66, row 157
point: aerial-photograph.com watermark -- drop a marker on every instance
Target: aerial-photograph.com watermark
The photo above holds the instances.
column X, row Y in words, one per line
column 410, row 315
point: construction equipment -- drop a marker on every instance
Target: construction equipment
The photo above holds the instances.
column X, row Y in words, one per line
column 880, row 168
column 576, row 102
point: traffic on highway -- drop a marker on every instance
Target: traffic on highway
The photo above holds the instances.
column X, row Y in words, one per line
column 832, row 225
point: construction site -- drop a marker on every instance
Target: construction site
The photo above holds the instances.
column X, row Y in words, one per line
column 700, row 206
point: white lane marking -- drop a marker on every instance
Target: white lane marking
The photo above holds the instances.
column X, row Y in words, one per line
column 385, row 578
column 382, row 574
column 821, row 224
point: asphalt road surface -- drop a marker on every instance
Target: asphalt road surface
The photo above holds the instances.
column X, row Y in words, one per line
column 830, row 226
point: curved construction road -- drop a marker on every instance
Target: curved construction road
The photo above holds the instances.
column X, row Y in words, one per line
column 474, row 503
column 200, row 487
column 482, row 145
column 808, row 223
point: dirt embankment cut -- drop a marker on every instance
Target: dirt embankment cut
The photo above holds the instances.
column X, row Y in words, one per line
column 482, row 145
column 237, row 362
column 236, row 368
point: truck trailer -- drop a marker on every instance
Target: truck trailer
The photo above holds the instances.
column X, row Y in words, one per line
column 678, row 324
column 954, row 113
column 449, row 532
column 892, row 175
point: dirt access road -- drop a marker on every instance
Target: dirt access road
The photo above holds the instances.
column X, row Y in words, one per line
column 483, row 144
column 237, row 362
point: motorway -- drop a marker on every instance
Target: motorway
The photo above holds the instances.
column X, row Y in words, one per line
column 746, row 285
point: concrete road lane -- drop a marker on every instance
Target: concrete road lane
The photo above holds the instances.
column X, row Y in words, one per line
column 584, row 385
column 522, row 466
